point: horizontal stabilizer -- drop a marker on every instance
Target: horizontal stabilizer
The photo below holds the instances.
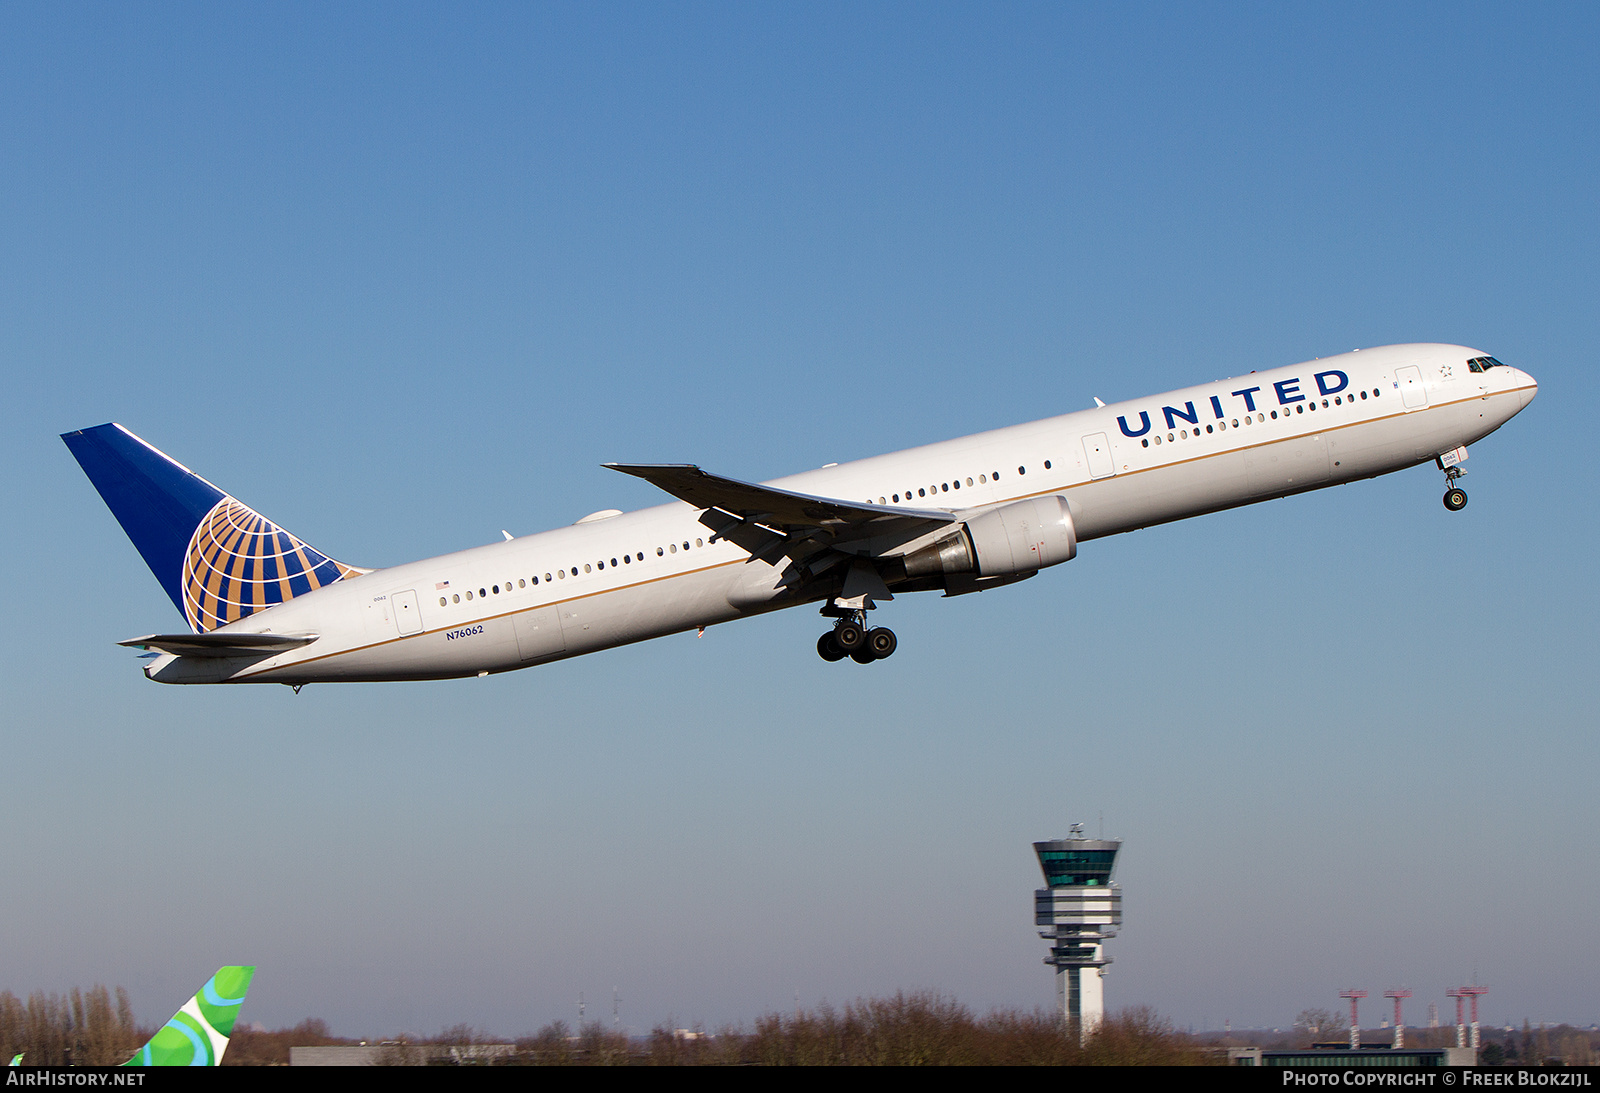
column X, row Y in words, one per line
column 221, row 644
column 750, row 501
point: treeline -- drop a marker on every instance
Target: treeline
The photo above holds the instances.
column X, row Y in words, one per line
column 921, row 1029
column 80, row 1028
column 258, row 1047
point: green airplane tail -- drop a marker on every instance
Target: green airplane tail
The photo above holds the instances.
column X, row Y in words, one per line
column 198, row 1033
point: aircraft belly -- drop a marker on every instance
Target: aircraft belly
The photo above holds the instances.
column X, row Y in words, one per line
column 1158, row 495
column 1290, row 465
column 647, row 611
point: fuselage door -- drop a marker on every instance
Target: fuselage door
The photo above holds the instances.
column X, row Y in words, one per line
column 1413, row 394
column 407, row 616
column 1098, row 450
column 538, row 633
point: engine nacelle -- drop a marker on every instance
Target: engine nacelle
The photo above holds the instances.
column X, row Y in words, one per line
column 1022, row 537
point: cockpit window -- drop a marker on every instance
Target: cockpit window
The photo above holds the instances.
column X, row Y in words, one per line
column 1483, row 364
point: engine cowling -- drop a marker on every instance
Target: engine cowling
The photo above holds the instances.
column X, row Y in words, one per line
column 1022, row 537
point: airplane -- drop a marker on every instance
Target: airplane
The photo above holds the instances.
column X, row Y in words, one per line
column 960, row 516
column 198, row 1033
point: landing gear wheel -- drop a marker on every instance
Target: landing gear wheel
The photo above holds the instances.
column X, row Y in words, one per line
column 849, row 637
column 882, row 642
column 863, row 655
column 1455, row 499
column 828, row 649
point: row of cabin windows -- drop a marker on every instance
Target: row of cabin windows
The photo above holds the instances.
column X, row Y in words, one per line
column 561, row 574
column 946, row 487
column 1222, row 426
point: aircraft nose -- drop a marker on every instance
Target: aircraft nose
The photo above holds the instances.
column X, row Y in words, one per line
column 1528, row 388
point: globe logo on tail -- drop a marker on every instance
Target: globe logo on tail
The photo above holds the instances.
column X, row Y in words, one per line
column 239, row 562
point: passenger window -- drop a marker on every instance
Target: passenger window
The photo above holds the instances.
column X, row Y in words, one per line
column 956, row 483
column 613, row 563
column 586, row 568
column 1158, row 441
column 626, row 559
column 686, row 544
column 602, row 564
column 536, row 579
column 1376, row 392
column 673, row 547
column 659, row 552
column 922, row 493
column 969, row 481
column 1208, row 428
column 897, row 498
column 947, row 487
column 995, row 476
column 1046, row 464
column 561, row 574
column 1145, row 443
column 546, row 578
column 1022, row 470
column 469, row 593
column 441, row 602
column 698, row 543
column 456, row 598
column 1274, row 415
column 983, row 479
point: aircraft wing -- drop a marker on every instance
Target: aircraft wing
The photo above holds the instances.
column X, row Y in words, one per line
column 220, row 643
column 792, row 515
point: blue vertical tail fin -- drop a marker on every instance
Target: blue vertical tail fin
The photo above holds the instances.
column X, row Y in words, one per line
column 219, row 560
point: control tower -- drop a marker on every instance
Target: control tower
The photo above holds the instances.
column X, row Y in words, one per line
column 1080, row 908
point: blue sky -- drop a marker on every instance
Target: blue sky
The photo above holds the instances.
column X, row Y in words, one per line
column 400, row 276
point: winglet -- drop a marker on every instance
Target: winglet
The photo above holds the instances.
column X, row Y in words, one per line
column 198, row 1033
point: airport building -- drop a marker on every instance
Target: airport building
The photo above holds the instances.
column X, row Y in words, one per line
column 1077, row 911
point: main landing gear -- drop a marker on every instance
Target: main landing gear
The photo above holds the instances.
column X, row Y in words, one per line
column 851, row 638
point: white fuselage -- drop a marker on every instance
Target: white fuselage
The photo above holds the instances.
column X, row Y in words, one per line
column 628, row 577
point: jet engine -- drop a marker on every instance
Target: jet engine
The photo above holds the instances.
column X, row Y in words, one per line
column 1020, row 538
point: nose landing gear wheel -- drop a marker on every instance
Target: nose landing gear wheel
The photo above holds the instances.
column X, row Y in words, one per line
column 1455, row 499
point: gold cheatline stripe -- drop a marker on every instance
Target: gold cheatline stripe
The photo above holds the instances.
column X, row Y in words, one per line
column 506, row 614
column 1265, row 443
column 741, row 561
